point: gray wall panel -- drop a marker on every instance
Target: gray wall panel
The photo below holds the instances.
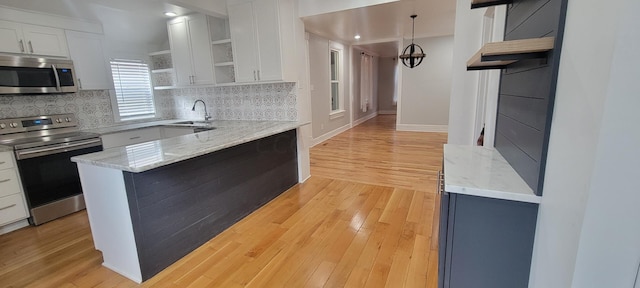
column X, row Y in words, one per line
column 531, row 83
column 528, row 139
column 531, row 112
column 523, row 124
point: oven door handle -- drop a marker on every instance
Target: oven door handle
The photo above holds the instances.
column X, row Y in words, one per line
column 58, row 148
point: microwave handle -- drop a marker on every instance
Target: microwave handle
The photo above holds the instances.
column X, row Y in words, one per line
column 55, row 73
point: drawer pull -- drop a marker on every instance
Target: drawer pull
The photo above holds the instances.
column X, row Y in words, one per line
column 5, row 180
column 134, row 138
column 2, row 162
column 12, row 205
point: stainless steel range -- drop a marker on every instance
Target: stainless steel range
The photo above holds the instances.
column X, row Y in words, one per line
column 43, row 146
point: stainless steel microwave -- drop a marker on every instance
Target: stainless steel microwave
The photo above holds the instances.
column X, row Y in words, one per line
column 30, row 75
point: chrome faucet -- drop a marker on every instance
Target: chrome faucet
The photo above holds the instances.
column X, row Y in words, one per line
column 206, row 115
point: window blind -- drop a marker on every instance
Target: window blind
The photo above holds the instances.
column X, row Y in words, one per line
column 134, row 94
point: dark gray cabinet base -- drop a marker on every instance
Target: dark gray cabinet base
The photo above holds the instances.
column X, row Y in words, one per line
column 177, row 208
column 485, row 242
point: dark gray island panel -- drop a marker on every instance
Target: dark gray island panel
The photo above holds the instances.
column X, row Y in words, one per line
column 178, row 207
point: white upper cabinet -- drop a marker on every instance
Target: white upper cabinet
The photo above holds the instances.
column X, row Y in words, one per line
column 11, row 35
column 32, row 39
column 190, row 43
column 86, row 50
column 262, row 32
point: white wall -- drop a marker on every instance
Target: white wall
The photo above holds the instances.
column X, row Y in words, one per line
column 464, row 84
column 387, row 67
column 609, row 250
column 322, row 122
column 587, row 233
column 423, row 103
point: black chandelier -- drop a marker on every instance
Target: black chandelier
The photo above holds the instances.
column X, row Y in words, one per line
column 412, row 55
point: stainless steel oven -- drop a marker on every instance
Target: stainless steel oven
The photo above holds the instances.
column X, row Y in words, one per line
column 43, row 146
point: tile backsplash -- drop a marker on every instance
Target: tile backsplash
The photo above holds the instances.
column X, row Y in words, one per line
column 241, row 102
column 93, row 108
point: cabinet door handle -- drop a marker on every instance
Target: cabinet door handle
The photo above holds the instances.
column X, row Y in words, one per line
column 21, row 46
column 12, row 205
column 258, row 75
column 254, row 75
column 79, row 83
column 134, row 138
column 5, row 180
column 2, row 162
column 30, row 46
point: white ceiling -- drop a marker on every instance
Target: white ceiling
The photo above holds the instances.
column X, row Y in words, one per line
column 133, row 21
column 385, row 23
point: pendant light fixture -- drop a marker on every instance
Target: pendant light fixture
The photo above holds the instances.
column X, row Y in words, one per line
column 412, row 55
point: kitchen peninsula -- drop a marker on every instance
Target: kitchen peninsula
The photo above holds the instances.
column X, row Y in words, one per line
column 152, row 203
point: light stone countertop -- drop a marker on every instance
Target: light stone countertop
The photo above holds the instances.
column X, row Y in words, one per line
column 483, row 172
column 140, row 125
column 4, row 148
column 146, row 156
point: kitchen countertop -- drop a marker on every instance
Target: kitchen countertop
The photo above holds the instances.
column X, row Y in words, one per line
column 146, row 156
column 4, row 148
column 483, row 172
column 141, row 125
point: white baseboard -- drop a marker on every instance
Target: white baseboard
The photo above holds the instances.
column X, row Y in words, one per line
column 330, row 134
column 388, row 112
column 422, row 128
column 14, row 226
column 364, row 119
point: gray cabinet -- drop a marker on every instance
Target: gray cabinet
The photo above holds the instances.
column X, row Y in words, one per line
column 484, row 242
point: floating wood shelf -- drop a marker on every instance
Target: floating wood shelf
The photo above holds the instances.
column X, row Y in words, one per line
column 223, row 64
column 487, row 3
column 163, row 52
column 497, row 55
column 223, row 41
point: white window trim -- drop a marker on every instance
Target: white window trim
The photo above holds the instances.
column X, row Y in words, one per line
column 338, row 113
column 113, row 95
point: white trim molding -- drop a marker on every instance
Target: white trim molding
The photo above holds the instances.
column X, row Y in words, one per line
column 13, row 226
column 388, row 112
column 330, row 134
column 364, row 119
column 422, row 128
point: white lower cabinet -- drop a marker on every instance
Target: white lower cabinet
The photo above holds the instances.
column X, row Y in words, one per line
column 13, row 207
column 130, row 137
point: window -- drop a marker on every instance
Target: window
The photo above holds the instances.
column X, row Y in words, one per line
column 134, row 95
column 335, row 82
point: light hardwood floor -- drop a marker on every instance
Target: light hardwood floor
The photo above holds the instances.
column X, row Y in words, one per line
column 364, row 219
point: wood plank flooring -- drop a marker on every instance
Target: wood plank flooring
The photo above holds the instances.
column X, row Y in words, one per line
column 364, row 219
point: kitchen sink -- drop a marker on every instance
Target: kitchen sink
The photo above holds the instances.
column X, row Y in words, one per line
column 193, row 123
column 202, row 129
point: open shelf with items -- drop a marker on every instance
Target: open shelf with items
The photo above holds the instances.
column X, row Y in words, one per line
column 498, row 55
column 487, row 3
column 221, row 50
column 162, row 72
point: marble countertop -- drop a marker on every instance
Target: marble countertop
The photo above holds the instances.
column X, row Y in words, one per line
column 4, row 148
column 146, row 156
column 481, row 171
column 141, row 125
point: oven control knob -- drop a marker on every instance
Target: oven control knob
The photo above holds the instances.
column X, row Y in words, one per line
column 2, row 126
column 58, row 120
column 67, row 119
column 13, row 125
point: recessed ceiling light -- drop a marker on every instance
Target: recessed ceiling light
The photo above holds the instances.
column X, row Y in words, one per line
column 357, row 36
column 170, row 14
